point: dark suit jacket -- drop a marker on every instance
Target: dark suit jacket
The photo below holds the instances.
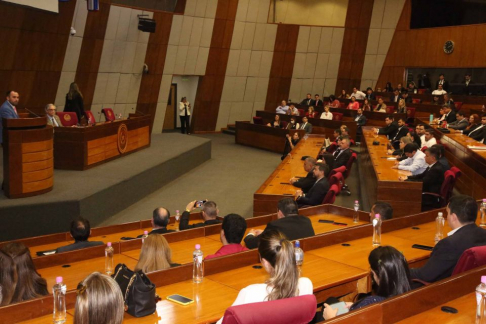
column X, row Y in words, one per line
column 307, row 128
column 305, row 183
column 307, row 102
column 478, row 134
column 393, row 99
column 389, row 130
column 293, row 227
column 445, row 86
column 316, row 194
column 432, row 180
column 361, row 121
column 75, row 105
column 470, row 130
column 162, row 230
column 451, row 117
column 371, row 96
column 408, row 100
column 459, row 125
column 403, row 131
column 318, row 103
column 448, row 251
column 341, row 159
column 445, row 164
column 78, row 245
column 185, row 222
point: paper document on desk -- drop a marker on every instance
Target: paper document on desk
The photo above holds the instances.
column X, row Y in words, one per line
column 473, row 147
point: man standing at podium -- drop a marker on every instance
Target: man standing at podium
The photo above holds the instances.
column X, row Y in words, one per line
column 8, row 109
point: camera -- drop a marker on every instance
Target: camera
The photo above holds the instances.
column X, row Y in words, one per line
column 73, row 31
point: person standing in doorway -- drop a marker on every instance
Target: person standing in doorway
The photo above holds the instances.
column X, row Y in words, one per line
column 185, row 115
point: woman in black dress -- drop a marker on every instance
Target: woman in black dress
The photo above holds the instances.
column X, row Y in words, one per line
column 74, row 102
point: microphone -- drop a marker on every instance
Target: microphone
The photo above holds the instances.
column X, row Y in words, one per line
column 33, row 113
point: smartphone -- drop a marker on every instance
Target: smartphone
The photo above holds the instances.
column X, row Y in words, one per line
column 180, row 299
column 341, row 307
column 199, row 203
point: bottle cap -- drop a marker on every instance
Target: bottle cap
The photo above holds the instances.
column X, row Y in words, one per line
column 198, row 246
column 356, row 202
column 377, row 215
column 145, row 232
column 108, row 244
column 484, row 199
column 440, row 214
column 297, row 244
column 59, row 279
column 483, row 279
column 177, row 211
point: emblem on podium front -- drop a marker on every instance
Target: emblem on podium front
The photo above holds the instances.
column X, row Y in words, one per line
column 122, row 138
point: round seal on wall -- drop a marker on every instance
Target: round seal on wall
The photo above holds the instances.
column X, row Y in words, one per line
column 122, row 138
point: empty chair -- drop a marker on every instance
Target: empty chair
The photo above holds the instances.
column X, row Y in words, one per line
column 68, row 118
column 91, row 117
column 337, row 178
column 301, row 112
column 337, row 116
column 390, row 109
column 470, row 259
column 331, row 194
column 258, row 120
column 109, row 114
column 458, row 105
column 416, row 101
column 342, row 105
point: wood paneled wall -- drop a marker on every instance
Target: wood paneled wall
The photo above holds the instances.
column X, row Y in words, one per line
column 282, row 65
column 356, row 31
column 424, row 48
column 34, row 43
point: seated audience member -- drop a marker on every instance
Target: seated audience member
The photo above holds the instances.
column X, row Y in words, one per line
column 406, row 97
column 399, row 153
column 439, row 92
column 359, row 95
column 317, row 101
column 293, row 124
column 343, row 94
column 290, row 143
column 80, row 232
column 474, row 122
column 461, row 217
column 480, row 131
column 292, row 111
column 420, row 131
column 333, row 102
column 442, row 82
column 411, row 87
column 277, row 256
column 415, row 161
column 436, row 101
column 402, row 108
column 380, row 106
column 276, row 123
column 8, row 278
column 439, row 120
column 401, row 132
column 449, row 101
column 432, row 179
column 342, row 155
column 460, row 123
column 370, row 95
column 283, row 108
column 30, row 284
column 429, row 138
column 443, row 159
column 155, row 254
column 450, row 116
column 306, row 125
column 388, row 87
column 52, row 118
column 395, row 97
column 311, row 113
column 366, row 105
column 353, row 104
column 390, row 130
column 308, row 100
column 209, row 213
column 400, row 87
column 326, row 114
column 360, row 120
column 305, row 183
column 232, row 232
column 99, row 300
column 160, row 220
column 390, row 276
column 288, row 222
column 415, row 138
column 383, row 208
column 319, row 189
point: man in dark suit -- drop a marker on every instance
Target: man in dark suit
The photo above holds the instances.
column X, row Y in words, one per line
column 370, row 95
column 80, row 232
column 360, row 120
column 318, row 190
column 406, row 96
column 308, row 181
column 443, row 82
column 479, row 132
column 318, row 102
column 467, row 82
column 401, row 132
column 209, row 213
column 342, row 155
column 432, row 179
column 461, row 217
column 306, row 125
column 288, row 221
column 160, row 219
column 450, row 116
column 448, row 101
column 442, row 160
column 461, row 122
column 8, row 109
column 308, row 101
column 395, row 97
column 391, row 128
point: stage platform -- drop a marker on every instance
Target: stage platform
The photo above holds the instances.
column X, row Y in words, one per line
column 103, row 191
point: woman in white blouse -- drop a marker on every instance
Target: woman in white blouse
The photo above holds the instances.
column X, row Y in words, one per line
column 326, row 114
column 278, row 258
column 184, row 115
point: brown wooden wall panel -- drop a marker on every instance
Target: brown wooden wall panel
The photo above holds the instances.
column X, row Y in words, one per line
column 210, row 87
column 353, row 51
column 282, row 65
column 35, row 45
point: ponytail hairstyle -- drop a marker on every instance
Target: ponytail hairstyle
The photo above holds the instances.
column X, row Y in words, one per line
column 284, row 275
column 392, row 271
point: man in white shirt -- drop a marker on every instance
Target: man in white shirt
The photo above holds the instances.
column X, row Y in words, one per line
column 359, row 95
column 415, row 162
column 440, row 91
column 52, row 118
column 429, row 138
column 283, row 108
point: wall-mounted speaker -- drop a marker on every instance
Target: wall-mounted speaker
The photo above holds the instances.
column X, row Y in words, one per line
column 146, row 25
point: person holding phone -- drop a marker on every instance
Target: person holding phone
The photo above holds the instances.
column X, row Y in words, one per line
column 209, row 213
column 184, row 115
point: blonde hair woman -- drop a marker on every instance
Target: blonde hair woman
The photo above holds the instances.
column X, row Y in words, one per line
column 155, row 254
column 402, row 108
column 99, row 301
column 278, row 258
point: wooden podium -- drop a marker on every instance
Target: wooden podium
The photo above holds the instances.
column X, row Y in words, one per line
column 27, row 157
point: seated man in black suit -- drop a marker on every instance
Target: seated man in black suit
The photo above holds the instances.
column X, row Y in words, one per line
column 401, row 132
column 432, row 179
column 160, row 219
column 308, row 181
column 80, row 232
column 308, row 101
column 370, row 95
column 461, row 217
column 395, row 97
column 461, row 122
column 209, row 213
column 391, row 128
column 360, row 120
column 342, row 155
column 479, row 132
column 319, row 189
column 450, row 116
column 443, row 159
column 383, row 208
column 406, row 96
column 289, row 222
column 317, row 101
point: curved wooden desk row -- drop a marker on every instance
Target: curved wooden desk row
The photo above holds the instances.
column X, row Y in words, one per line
column 225, row 276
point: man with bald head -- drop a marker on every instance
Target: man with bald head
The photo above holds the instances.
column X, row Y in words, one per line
column 160, row 219
column 8, row 109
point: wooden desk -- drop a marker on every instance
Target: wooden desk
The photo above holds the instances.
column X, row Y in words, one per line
column 81, row 148
column 47, row 319
column 277, row 186
column 382, row 181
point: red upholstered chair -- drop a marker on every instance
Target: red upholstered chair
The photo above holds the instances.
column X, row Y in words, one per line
column 346, row 174
column 91, row 117
column 470, row 259
column 421, row 91
column 457, row 172
column 337, row 116
column 284, row 124
column 68, row 118
column 458, row 105
column 337, row 178
column 342, row 105
column 423, row 149
column 301, row 112
column 331, row 194
column 378, row 97
column 258, row 120
column 360, row 103
column 445, row 190
column 416, row 101
column 390, row 109
column 298, row 310
column 109, row 114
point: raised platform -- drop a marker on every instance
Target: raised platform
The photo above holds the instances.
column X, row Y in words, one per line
column 103, row 191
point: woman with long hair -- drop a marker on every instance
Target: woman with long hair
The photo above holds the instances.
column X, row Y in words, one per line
column 390, row 276
column 333, row 102
column 74, row 102
column 8, row 278
column 155, row 254
column 353, row 104
column 402, row 108
column 29, row 283
column 311, row 113
column 99, row 301
column 474, row 122
column 399, row 154
column 278, row 259
column 388, row 87
column 366, row 105
column 343, row 94
column 276, row 122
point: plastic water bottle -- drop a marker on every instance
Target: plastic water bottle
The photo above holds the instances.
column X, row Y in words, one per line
column 198, row 265
column 144, row 236
column 177, row 219
column 59, row 294
column 299, row 254
column 439, row 222
column 356, row 214
column 377, row 230
column 481, row 301
column 483, row 213
column 109, row 259
column 431, row 118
